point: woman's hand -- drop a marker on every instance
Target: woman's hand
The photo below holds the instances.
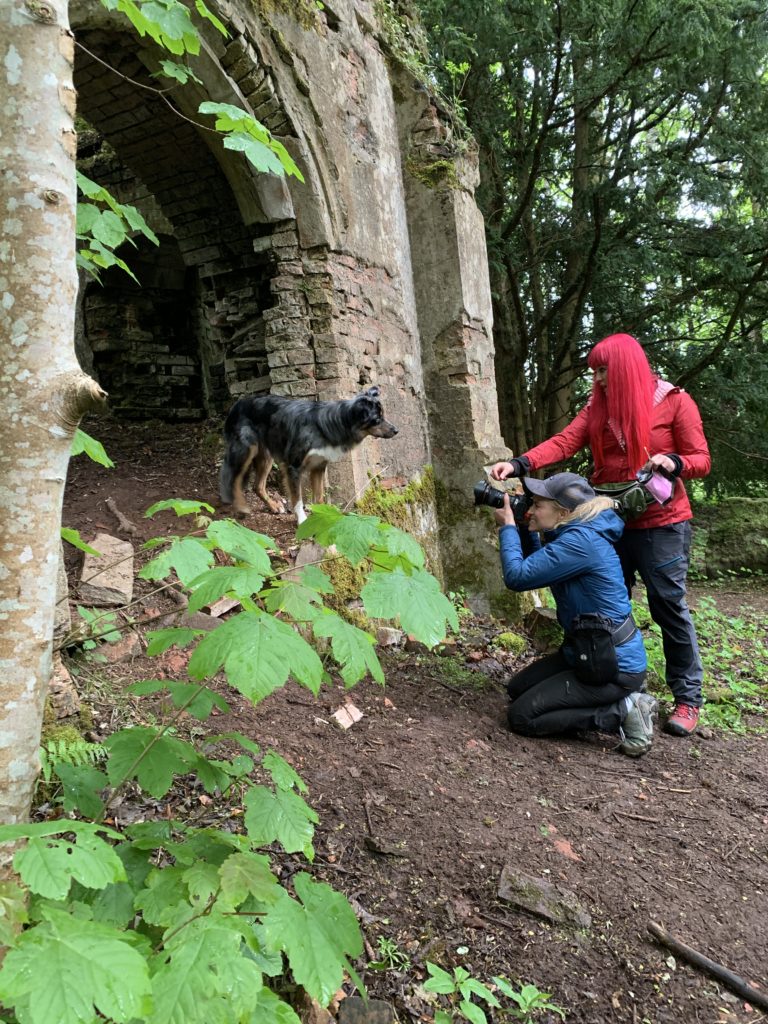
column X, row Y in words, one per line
column 504, row 516
column 663, row 462
column 504, row 470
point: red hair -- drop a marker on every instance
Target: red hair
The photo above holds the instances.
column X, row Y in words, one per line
column 628, row 401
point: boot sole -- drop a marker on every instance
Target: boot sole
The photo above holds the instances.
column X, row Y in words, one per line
column 678, row 730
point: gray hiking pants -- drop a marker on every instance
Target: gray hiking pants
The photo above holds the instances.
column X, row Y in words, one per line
column 659, row 556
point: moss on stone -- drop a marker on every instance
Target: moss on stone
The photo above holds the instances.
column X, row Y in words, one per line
column 395, row 506
column 53, row 732
column 303, row 12
column 512, row 642
column 407, row 508
column 439, row 175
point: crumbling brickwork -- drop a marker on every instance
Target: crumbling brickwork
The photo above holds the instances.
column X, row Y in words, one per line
column 372, row 270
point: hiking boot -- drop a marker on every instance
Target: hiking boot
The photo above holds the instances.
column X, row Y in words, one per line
column 683, row 720
column 637, row 726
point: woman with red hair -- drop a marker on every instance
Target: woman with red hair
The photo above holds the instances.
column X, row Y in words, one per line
column 632, row 419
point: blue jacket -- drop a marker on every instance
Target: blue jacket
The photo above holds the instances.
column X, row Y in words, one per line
column 580, row 565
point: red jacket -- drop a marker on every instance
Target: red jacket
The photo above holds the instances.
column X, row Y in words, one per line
column 675, row 428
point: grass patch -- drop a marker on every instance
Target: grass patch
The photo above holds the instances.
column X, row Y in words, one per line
column 735, row 657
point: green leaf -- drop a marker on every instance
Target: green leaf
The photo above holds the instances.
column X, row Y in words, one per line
column 28, row 830
column 203, row 11
column 47, row 866
column 281, row 816
column 283, row 775
column 258, row 652
column 109, row 229
column 201, row 975
column 353, row 535
column 164, row 898
column 181, row 506
column 73, row 537
column 202, row 880
column 472, row 1012
column 188, row 556
column 13, row 911
column 317, row 935
column 161, row 760
column 94, row 449
column 257, row 153
column 87, row 215
column 243, row 544
column 179, row 72
column 443, row 1017
column 439, row 980
column 224, row 579
column 292, row 597
column 270, row 1009
column 114, row 905
column 245, row 741
column 352, row 648
column 247, row 874
column 313, row 576
column 401, row 544
column 203, row 702
column 161, row 639
column 416, row 600
column 87, row 967
column 82, row 785
column 471, row 986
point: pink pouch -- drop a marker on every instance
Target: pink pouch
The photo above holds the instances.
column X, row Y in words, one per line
column 659, row 486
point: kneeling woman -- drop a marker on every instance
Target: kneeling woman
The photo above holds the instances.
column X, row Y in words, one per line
column 594, row 680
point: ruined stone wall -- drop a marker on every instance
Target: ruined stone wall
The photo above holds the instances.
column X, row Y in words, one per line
column 373, row 270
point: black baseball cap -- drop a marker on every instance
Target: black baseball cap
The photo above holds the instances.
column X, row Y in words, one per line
column 568, row 489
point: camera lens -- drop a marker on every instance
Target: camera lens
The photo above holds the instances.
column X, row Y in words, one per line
column 487, row 495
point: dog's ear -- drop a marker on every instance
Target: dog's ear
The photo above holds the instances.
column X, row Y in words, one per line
column 373, row 392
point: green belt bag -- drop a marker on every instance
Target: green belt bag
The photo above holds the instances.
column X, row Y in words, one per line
column 631, row 498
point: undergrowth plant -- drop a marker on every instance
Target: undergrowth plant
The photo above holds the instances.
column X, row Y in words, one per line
column 175, row 922
column 460, row 987
column 734, row 654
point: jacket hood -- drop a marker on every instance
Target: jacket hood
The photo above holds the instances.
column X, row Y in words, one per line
column 607, row 524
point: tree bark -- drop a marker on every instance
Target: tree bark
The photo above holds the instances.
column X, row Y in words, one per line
column 43, row 392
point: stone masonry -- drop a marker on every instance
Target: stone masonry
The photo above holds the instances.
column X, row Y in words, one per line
column 373, row 270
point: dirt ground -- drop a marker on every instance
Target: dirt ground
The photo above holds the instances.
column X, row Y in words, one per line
column 428, row 797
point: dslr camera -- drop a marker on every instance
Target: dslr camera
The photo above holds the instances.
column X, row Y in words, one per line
column 494, row 498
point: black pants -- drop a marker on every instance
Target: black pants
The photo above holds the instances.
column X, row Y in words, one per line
column 659, row 556
column 546, row 698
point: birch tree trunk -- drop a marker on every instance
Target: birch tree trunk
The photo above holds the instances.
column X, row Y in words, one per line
column 43, row 393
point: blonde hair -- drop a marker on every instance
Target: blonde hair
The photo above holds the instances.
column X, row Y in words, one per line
column 589, row 509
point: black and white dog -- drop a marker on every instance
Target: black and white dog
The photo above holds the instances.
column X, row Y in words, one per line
column 300, row 435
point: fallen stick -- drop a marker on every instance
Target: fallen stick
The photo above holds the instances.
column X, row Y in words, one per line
column 696, row 959
column 123, row 525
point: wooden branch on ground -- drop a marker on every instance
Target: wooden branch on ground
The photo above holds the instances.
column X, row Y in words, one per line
column 124, row 525
column 703, row 963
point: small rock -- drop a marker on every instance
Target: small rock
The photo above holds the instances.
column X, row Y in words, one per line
column 491, row 668
column 544, row 628
column 199, row 620
column 222, row 606
column 129, row 646
column 414, row 646
column 542, row 898
column 106, row 580
column 355, row 1010
column 61, row 690
column 347, row 715
column 388, row 636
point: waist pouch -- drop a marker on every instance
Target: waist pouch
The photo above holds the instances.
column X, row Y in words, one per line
column 594, row 640
column 631, row 499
